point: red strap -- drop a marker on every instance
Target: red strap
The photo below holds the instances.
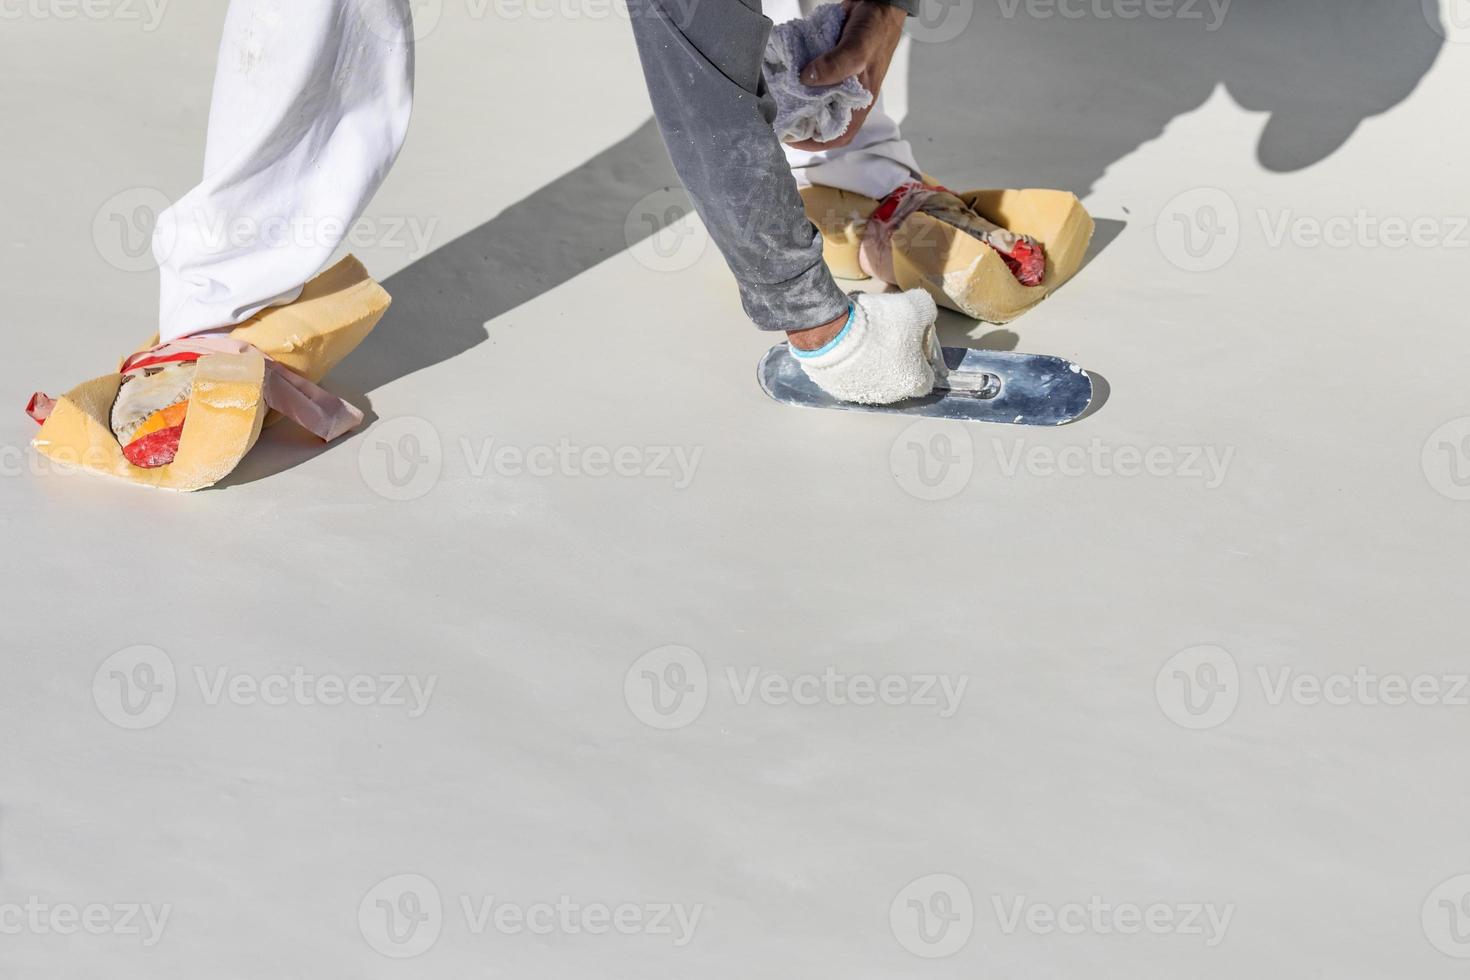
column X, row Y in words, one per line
column 40, row 407
column 315, row 409
column 144, row 359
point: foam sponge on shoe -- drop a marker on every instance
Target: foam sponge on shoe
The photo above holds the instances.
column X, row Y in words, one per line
column 224, row 403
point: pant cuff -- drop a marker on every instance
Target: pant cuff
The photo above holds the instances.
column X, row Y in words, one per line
column 809, row 300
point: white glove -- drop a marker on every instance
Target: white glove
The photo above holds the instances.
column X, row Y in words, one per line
column 888, row 351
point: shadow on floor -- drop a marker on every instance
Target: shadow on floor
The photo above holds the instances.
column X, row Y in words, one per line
column 1101, row 392
column 442, row 302
column 1319, row 67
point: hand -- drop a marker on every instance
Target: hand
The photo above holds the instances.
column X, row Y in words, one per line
column 869, row 37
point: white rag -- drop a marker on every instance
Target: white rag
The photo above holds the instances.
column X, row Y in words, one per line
column 804, row 112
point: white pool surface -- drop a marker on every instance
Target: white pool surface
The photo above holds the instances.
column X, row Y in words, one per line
column 583, row 658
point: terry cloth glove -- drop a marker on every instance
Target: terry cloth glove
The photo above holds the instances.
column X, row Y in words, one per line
column 888, row 351
column 804, row 112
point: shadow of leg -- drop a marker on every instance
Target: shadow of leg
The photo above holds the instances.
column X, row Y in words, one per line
column 1105, row 232
column 442, row 303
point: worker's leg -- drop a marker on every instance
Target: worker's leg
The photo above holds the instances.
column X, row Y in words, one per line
column 311, row 105
column 874, row 163
column 702, row 60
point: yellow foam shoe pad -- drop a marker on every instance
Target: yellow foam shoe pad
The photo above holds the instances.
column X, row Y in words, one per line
column 227, row 408
column 961, row 272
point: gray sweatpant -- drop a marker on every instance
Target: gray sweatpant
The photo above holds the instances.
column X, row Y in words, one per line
column 702, row 61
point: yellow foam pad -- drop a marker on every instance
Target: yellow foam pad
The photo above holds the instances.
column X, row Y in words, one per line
column 226, row 412
column 840, row 216
column 227, row 409
column 959, row 271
